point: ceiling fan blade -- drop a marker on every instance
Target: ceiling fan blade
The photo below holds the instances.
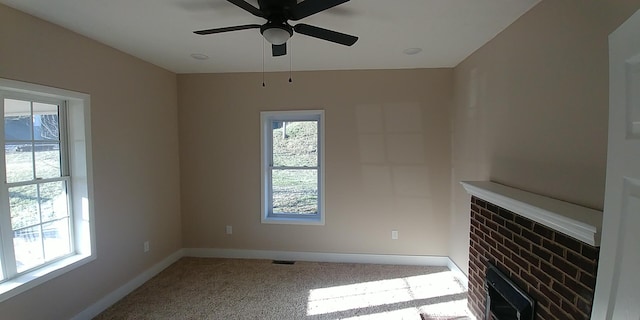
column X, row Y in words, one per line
column 325, row 34
column 227, row 29
column 248, row 7
column 309, row 7
column 279, row 50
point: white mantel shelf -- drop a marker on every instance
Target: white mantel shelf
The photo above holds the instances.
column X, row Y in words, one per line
column 573, row 220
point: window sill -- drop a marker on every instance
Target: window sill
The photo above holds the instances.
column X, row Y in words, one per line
column 14, row 287
column 293, row 220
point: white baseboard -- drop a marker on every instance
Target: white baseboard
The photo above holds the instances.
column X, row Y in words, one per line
column 318, row 257
column 128, row 287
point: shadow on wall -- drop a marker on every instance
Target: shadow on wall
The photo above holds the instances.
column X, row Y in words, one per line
column 557, row 176
column 392, row 153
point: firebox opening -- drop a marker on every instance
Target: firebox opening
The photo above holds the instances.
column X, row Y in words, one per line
column 505, row 300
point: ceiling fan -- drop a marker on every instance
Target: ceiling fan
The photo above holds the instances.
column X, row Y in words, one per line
column 277, row 30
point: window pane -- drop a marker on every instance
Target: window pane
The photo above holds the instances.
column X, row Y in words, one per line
column 53, row 201
column 17, row 120
column 295, row 144
column 28, row 247
column 56, row 239
column 23, row 205
column 47, row 160
column 19, row 161
column 295, row 191
column 45, row 122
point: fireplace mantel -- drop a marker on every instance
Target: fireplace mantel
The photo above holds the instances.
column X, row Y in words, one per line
column 573, row 220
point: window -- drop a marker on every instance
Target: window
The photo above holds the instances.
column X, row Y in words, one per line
column 37, row 180
column 292, row 167
column 45, row 220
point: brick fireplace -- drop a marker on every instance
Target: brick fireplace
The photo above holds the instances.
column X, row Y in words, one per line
column 557, row 270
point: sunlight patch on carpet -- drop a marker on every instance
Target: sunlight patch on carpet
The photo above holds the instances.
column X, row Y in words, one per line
column 407, row 313
column 427, row 288
column 452, row 310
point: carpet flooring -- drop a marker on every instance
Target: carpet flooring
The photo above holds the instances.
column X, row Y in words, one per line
column 207, row 288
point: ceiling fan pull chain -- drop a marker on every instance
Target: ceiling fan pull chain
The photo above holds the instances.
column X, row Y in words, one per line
column 263, row 62
column 290, row 55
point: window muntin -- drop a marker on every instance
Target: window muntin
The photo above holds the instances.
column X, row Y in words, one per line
column 292, row 167
column 36, row 184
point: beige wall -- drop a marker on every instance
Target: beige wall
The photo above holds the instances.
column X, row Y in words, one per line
column 135, row 157
column 530, row 108
column 387, row 160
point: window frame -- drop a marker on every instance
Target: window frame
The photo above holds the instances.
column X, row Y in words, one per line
column 266, row 137
column 75, row 125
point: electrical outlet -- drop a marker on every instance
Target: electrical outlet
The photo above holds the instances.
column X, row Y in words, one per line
column 229, row 230
column 146, row 246
column 394, row 235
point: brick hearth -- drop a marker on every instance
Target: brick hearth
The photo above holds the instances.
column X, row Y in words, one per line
column 558, row 271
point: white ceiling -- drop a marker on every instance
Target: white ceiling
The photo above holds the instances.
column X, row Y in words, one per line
column 161, row 32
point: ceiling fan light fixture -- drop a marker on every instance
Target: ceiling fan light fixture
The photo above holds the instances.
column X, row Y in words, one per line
column 276, row 34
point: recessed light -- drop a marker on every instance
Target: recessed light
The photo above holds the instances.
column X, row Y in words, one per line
column 412, row 51
column 199, row 56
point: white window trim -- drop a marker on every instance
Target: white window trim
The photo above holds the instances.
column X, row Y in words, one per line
column 265, row 131
column 81, row 171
